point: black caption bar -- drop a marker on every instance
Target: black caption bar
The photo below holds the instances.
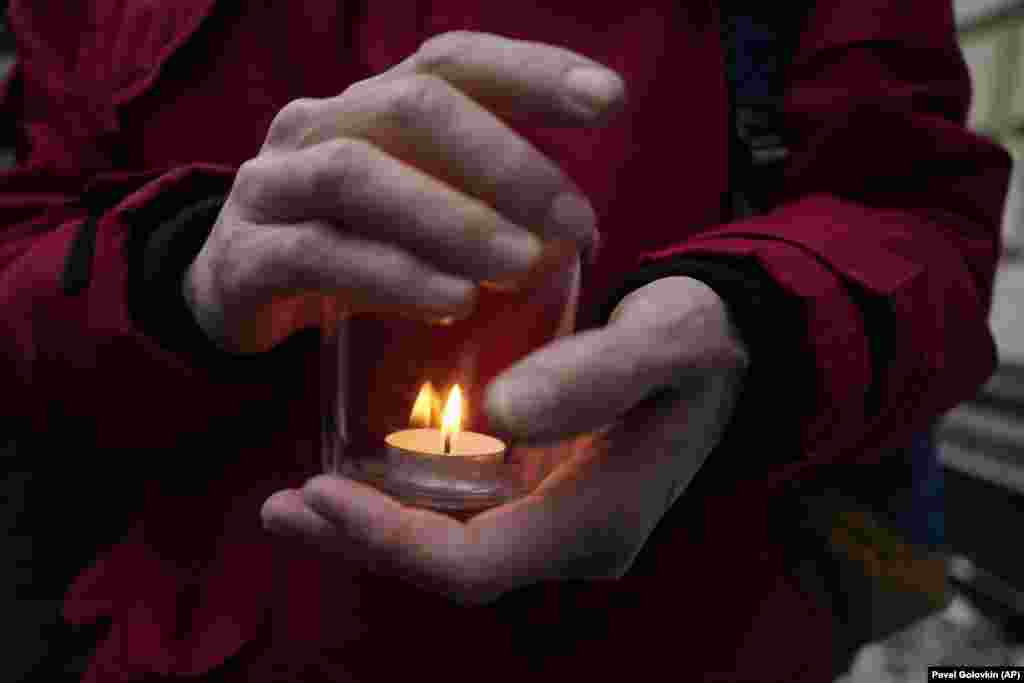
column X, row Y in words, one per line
column 976, row 673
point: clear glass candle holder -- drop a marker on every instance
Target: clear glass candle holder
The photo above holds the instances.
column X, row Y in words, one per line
column 379, row 368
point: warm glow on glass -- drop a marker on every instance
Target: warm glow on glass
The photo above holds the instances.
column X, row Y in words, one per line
column 424, row 407
column 451, row 418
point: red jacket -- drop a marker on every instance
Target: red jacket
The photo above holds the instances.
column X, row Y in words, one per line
column 886, row 192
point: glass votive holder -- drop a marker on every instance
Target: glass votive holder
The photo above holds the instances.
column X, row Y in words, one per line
column 401, row 401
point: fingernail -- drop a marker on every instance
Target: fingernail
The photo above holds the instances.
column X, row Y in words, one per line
column 594, row 89
column 502, row 399
column 456, row 297
column 571, row 215
column 522, row 406
column 517, row 251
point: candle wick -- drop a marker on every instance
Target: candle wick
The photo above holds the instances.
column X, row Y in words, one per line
column 447, row 444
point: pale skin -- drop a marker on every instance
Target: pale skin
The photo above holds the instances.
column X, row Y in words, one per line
column 403, row 194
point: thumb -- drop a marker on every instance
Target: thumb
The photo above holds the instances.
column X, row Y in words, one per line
column 661, row 334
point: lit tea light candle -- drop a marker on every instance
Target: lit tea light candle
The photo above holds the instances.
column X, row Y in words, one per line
column 422, row 440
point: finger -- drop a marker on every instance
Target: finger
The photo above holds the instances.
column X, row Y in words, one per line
column 662, row 333
column 360, row 274
column 285, row 513
column 373, row 195
column 428, row 549
column 426, row 122
column 572, row 385
column 591, row 516
column 514, row 79
column 586, row 520
column 520, row 79
column 566, row 535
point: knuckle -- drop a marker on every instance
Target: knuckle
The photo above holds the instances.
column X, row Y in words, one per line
column 292, row 121
column 518, row 166
column 252, row 181
column 445, row 48
column 421, row 97
column 345, row 166
column 405, row 272
column 299, row 257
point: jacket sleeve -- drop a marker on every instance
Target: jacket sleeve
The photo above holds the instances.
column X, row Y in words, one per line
column 887, row 231
column 80, row 344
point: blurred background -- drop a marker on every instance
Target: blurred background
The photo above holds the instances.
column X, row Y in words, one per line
column 981, row 443
column 977, row 616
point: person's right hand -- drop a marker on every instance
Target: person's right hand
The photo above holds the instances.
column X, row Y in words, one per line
column 402, row 193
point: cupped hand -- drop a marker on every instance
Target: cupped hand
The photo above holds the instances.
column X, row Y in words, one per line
column 651, row 392
column 402, row 193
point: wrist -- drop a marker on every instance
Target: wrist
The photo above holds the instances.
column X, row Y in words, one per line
column 689, row 313
column 735, row 354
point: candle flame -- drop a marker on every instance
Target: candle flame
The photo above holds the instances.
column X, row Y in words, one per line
column 426, row 412
column 451, row 418
column 425, row 407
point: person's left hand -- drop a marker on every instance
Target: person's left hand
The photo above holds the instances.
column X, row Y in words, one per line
column 592, row 514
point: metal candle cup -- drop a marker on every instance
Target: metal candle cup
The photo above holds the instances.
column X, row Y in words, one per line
column 426, row 442
column 443, row 468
